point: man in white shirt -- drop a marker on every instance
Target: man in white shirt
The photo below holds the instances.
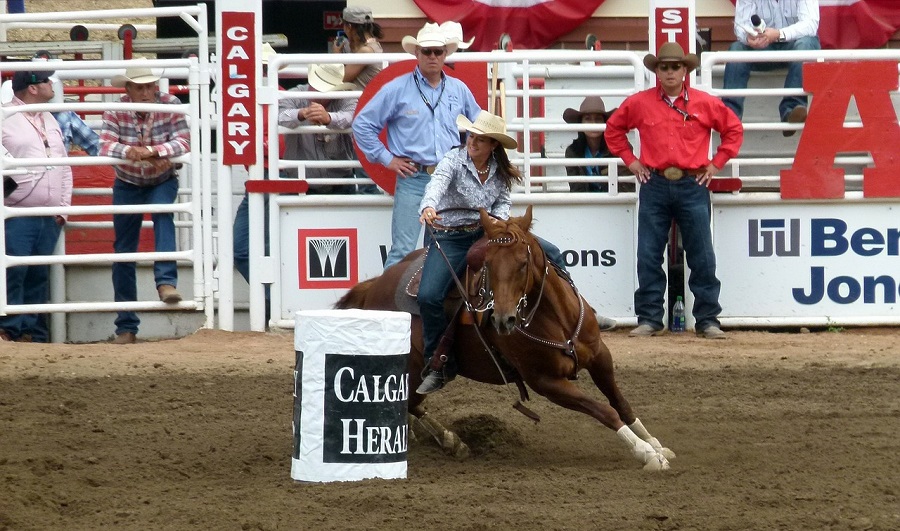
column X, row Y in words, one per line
column 773, row 25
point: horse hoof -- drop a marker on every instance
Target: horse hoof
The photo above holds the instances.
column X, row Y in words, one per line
column 668, row 454
column 454, row 446
column 657, row 463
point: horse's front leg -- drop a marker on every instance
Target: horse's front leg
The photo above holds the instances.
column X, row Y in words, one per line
column 566, row 394
column 423, row 425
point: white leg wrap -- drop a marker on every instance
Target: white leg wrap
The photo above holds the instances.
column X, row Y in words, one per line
column 642, row 451
column 638, row 428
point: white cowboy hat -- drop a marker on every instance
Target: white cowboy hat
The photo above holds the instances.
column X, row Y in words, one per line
column 430, row 36
column 136, row 74
column 327, row 77
column 453, row 30
column 489, row 125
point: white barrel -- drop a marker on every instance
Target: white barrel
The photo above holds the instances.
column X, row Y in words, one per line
column 351, row 387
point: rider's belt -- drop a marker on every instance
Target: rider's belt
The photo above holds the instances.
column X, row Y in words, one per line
column 674, row 174
column 472, row 227
column 424, row 168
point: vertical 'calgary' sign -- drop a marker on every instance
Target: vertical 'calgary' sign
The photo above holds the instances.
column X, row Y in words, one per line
column 238, row 88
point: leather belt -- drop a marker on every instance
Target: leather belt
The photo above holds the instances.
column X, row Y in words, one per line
column 424, row 168
column 472, row 227
column 674, row 174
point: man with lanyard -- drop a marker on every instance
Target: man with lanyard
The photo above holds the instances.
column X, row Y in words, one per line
column 675, row 124
column 419, row 110
column 146, row 140
column 33, row 135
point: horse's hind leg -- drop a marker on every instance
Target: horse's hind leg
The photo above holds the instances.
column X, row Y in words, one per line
column 566, row 394
column 601, row 370
column 423, row 425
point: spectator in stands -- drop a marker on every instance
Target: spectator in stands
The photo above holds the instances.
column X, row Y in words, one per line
column 362, row 34
column 789, row 25
column 146, row 140
column 419, row 110
column 590, row 144
column 32, row 135
column 675, row 123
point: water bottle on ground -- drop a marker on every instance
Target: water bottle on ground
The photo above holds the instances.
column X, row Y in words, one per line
column 678, row 316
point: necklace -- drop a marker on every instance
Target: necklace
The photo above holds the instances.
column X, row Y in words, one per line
column 484, row 171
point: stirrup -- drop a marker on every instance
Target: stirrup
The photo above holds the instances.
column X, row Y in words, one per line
column 434, row 381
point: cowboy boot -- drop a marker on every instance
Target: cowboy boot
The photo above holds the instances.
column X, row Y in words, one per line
column 434, row 381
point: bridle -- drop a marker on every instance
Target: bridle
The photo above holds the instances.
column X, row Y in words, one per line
column 524, row 320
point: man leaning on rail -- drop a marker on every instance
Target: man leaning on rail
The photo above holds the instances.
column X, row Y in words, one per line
column 147, row 140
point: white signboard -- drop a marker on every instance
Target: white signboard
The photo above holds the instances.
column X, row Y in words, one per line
column 327, row 249
column 796, row 263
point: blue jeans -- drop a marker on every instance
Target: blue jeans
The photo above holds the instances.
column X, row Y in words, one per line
column 32, row 236
column 688, row 204
column 128, row 233
column 241, row 234
column 737, row 75
column 437, row 282
column 405, row 226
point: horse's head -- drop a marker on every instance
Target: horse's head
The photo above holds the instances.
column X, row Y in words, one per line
column 513, row 260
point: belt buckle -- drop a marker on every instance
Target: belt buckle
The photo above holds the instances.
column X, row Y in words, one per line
column 673, row 174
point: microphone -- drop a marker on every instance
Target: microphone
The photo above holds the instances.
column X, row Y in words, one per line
column 758, row 24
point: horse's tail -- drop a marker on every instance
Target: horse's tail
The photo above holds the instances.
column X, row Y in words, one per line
column 356, row 297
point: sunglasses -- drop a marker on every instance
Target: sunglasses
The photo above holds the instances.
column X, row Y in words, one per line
column 437, row 52
column 665, row 67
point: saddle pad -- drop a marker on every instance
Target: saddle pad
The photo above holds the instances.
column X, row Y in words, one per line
column 408, row 287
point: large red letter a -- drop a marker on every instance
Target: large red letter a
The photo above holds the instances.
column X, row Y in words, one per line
column 813, row 175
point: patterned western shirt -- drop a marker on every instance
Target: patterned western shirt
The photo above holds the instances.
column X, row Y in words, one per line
column 77, row 133
column 455, row 185
column 167, row 133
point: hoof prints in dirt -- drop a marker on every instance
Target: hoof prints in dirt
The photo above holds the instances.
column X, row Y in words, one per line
column 486, row 434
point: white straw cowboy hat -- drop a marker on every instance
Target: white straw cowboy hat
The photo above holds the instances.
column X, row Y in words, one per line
column 327, row 77
column 136, row 74
column 671, row 52
column 453, row 31
column 430, row 36
column 489, row 125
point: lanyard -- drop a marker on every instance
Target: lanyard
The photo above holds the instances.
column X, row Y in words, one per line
column 34, row 119
column 424, row 99
column 683, row 113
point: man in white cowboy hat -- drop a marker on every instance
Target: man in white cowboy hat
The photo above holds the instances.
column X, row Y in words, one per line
column 419, row 110
column 32, row 135
column 454, row 32
column 675, row 124
column 146, row 140
column 334, row 114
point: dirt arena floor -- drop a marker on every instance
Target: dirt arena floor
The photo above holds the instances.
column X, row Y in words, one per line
column 772, row 431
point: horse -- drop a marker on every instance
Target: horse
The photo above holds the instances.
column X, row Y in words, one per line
column 540, row 327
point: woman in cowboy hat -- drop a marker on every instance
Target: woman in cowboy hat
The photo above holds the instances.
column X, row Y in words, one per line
column 362, row 37
column 477, row 175
column 590, row 144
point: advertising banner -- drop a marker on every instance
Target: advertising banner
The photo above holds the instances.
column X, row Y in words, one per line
column 803, row 262
column 350, row 242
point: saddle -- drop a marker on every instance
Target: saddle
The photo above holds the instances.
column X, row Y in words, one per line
column 473, row 280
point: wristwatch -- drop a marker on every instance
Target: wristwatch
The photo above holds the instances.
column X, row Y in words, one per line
column 781, row 36
column 153, row 152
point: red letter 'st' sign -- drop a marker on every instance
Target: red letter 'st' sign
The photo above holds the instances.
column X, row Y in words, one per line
column 813, row 175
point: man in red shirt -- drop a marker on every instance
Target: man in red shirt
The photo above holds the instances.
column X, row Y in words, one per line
column 675, row 123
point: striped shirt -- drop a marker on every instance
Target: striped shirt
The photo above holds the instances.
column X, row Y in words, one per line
column 167, row 133
column 456, row 193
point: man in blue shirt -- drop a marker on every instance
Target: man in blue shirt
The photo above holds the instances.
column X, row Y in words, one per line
column 419, row 110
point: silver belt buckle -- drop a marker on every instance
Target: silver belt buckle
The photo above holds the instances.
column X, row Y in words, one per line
column 673, row 174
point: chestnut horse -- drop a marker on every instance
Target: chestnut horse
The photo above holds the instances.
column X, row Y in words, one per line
column 541, row 327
